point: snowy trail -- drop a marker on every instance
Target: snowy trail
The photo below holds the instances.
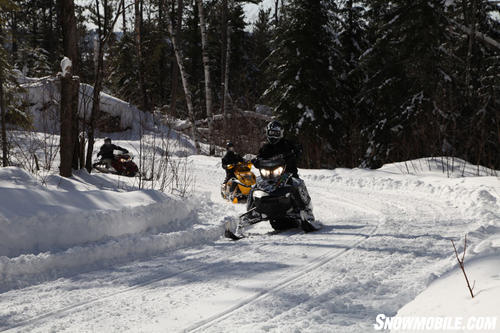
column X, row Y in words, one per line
column 255, row 244
column 382, row 241
column 349, row 314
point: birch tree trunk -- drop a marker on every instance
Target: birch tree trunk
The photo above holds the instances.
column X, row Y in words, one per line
column 470, row 17
column 208, row 81
column 124, row 18
column 175, row 68
column 226, row 96
column 224, row 61
column 276, row 18
column 139, row 53
column 185, row 84
column 3, row 111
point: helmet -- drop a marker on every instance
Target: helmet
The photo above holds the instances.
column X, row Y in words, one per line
column 107, row 139
column 274, row 131
column 229, row 144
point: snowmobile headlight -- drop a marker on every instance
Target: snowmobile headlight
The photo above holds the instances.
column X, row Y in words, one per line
column 265, row 173
column 278, row 171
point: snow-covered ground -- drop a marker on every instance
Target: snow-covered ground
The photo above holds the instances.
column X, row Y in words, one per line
column 96, row 253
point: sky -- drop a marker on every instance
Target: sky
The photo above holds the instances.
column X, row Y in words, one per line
column 251, row 10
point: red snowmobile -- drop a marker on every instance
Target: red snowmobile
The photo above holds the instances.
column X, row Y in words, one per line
column 121, row 164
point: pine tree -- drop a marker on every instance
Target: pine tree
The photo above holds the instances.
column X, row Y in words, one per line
column 123, row 77
column 472, row 106
column 35, row 37
column 11, row 110
column 405, row 77
column 302, row 93
column 348, row 23
column 261, row 48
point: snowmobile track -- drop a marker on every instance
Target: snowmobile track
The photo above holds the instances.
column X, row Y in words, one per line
column 300, row 273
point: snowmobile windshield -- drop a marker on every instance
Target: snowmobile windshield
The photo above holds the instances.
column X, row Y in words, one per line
column 272, row 168
column 271, row 163
column 124, row 157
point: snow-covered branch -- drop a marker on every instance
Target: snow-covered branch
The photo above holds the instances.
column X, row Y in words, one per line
column 184, row 125
column 479, row 35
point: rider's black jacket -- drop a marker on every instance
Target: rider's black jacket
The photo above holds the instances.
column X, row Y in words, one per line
column 231, row 158
column 106, row 150
column 284, row 148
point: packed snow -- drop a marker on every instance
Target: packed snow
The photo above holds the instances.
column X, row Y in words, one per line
column 97, row 252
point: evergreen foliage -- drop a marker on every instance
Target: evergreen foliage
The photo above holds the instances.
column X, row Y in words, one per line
column 303, row 92
column 15, row 112
column 356, row 82
column 405, row 78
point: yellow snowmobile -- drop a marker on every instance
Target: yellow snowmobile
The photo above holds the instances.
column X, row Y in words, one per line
column 238, row 188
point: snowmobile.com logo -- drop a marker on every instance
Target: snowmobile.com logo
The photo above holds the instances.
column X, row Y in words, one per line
column 401, row 324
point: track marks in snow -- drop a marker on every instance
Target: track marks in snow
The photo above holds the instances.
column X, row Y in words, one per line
column 370, row 214
column 293, row 278
column 145, row 283
column 374, row 267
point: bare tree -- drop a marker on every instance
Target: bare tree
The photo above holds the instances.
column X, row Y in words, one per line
column 3, row 111
column 138, row 6
column 124, row 18
column 224, row 59
column 208, row 81
column 177, row 23
column 104, row 30
column 276, row 16
column 185, row 84
column 226, row 96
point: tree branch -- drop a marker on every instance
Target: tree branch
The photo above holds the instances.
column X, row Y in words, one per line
column 461, row 263
column 479, row 35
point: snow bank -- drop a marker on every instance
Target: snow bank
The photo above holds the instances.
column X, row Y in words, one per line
column 29, row 269
column 130, row 116
column 45, row 231
column 450, row 167
column 476, row 197
column 43, row 95
column 449, row 297
column 475, row 192
column 71, row 225
column 36, row 218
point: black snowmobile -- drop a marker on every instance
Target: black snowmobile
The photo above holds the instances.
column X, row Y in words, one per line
column 277, row 197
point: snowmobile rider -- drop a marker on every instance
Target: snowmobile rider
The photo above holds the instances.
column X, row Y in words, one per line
column 277, row 145
column 228, row 159
column 106, row 152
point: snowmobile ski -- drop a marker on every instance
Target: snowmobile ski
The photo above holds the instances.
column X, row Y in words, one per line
column 229, row 234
